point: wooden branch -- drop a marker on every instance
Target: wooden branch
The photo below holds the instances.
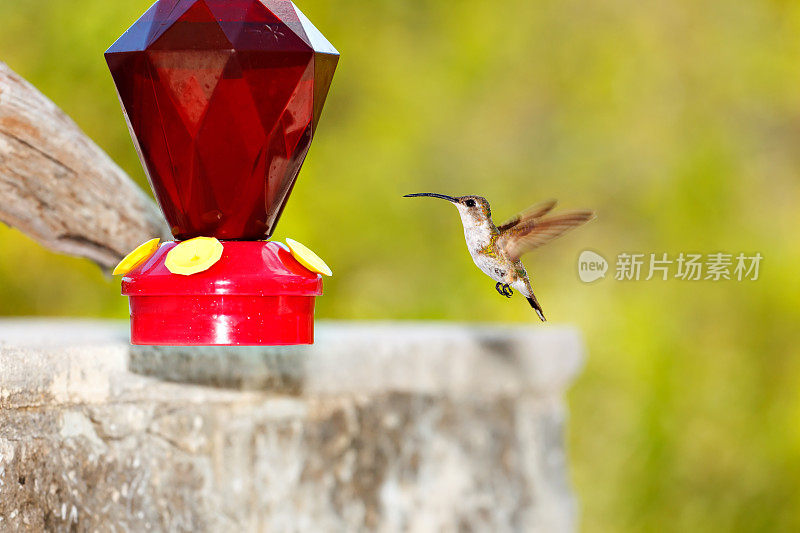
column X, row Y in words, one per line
column 60, row 188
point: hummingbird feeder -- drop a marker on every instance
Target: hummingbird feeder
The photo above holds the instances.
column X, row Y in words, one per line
column 222, row 99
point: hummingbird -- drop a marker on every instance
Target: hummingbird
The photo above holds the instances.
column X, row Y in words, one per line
column 497, row 250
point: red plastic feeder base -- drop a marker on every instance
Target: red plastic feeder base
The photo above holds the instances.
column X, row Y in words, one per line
column 256, row 294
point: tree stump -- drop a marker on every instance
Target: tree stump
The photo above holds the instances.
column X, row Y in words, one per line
column 377, row 427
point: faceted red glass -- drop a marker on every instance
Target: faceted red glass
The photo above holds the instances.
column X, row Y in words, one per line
column 222, row 98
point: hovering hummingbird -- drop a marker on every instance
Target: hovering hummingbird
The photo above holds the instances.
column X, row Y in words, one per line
column 497, row 250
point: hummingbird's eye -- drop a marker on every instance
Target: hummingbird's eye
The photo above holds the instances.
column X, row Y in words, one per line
column 470, row 203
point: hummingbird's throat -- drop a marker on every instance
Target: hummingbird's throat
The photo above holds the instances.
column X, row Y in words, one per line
column 478, row 237
column 472, row 221
column 471, row 217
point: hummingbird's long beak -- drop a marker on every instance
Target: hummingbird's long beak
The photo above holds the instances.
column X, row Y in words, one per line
column 433, row 195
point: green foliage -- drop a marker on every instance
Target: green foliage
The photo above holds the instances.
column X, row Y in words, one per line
column 677, row 121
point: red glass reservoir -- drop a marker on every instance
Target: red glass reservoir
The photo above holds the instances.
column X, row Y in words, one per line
column 222, row 98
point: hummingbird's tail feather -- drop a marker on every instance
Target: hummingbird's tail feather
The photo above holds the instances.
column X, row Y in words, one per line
column 535, row 304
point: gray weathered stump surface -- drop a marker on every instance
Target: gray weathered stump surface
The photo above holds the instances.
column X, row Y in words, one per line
column 388, row 427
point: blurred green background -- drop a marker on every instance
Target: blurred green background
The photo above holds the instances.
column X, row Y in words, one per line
column 678, row 121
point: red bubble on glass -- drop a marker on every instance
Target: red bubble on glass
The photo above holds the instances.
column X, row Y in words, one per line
column 222, row 98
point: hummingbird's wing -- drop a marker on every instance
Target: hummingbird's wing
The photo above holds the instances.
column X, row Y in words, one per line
column 533, row 233
column 534, row 211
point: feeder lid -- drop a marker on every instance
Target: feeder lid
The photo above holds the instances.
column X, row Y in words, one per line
column 245, row 268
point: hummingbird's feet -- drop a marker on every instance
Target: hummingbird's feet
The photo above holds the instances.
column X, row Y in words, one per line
column 504, row 290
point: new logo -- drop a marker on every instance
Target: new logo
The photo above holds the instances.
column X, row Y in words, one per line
column 591, row 266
